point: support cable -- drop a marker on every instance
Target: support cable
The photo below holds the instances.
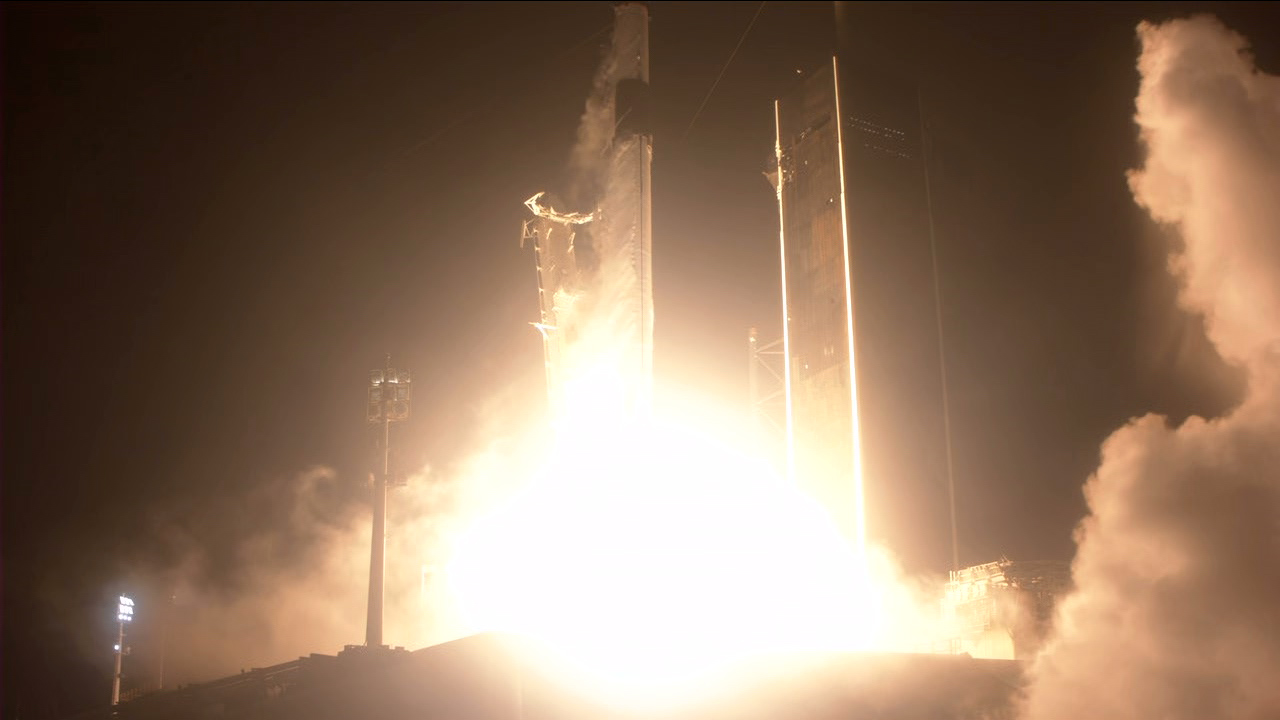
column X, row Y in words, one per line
column 723, row 69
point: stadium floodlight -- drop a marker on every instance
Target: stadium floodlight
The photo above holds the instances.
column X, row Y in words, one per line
column 124, row 614
column 389, row 395
column 124, row 611
column 389, row 401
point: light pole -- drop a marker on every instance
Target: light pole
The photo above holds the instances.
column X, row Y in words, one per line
column 124, row 614
column 164, row 633
column 388, row 402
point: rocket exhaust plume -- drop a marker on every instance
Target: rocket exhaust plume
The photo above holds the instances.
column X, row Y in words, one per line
column 1176, row 612
column 649, row 549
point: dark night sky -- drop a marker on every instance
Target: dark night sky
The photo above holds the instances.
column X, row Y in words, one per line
column 217, row 217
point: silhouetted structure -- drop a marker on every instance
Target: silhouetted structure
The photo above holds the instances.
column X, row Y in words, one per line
column 850, row 182
column 490, row 677
column 1003, row 609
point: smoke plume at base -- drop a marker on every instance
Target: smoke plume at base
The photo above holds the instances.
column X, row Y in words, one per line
column 1177, row 574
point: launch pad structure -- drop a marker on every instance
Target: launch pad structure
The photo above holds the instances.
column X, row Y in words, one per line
column 495, row 677
column 389, row 402
column 553, row 237
column 1002, row 609
column 824, row 451
column 851, row 177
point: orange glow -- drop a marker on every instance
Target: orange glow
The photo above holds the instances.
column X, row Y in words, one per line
column 650, row 554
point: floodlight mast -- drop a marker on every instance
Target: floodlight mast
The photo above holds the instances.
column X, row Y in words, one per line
column 389, row 398
column 124, row 614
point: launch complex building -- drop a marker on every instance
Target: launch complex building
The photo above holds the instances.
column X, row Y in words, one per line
column 852, row 179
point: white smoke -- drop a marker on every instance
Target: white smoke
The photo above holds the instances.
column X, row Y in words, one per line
column 588, row 159
column 283, row 571
column 1176, row 612
column 262, row 581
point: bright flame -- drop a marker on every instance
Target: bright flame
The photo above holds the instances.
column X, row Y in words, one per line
column 649, row 555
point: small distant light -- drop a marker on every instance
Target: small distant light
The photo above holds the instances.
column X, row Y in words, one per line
column 117, row 647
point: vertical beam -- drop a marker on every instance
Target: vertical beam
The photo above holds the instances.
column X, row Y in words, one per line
column 926, row 151
column 786, row 315
column 378, row 539
column 753, row 376
column 860, row 519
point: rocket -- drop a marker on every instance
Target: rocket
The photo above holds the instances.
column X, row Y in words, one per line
column 627, row 209
column 596, row 286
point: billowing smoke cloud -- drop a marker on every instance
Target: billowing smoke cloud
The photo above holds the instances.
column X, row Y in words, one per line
column 1177, row 608
column 294, row 579
column 286, row 587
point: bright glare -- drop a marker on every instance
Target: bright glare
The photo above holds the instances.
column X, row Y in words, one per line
column 649, row 555
column 124, row 611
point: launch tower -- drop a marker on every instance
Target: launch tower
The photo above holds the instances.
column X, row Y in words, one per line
column 849, row 182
